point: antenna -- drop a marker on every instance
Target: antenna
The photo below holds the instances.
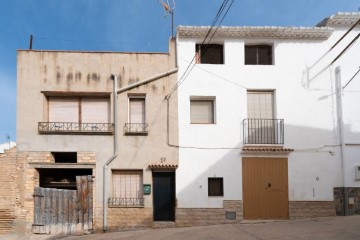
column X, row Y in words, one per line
column 169, row 9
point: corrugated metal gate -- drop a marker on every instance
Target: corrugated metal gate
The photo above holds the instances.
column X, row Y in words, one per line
column 64, row 211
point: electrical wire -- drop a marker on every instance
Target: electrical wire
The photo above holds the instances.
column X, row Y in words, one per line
column 352, row 78
column 191, row 66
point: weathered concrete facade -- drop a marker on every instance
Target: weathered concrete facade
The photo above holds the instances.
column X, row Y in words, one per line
column 46, row 74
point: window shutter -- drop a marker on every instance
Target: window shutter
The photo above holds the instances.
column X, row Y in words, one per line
column 95, row 110
column 202, row 111
column 260, row 105
column 137, row 110
column 63, row 109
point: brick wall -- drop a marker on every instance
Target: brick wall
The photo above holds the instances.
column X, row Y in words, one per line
column 311, row 209
column 12, row 188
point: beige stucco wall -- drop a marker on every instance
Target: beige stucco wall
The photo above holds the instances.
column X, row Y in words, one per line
column 68, row 71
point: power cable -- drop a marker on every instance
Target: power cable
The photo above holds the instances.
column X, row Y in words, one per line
column 191, row 66
column 352, row 78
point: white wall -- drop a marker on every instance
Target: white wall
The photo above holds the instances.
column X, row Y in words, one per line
column 307, row 107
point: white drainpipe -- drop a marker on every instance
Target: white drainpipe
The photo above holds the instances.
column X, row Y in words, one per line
column 341, row 132
column 105, row 168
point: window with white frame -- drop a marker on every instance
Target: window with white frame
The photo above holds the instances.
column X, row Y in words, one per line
column 202, row 110
column 127, row 188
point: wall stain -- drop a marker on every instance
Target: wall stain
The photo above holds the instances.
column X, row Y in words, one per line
column 154, row 87
column 93, row 77
column 45, row 80
column 69, row 76
column 120, row 81
column 58, row 77
column 45, row 69
column 78, row 76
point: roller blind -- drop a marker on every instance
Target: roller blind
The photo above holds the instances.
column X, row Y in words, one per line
column 63, row 109
column 95, row 110
column 202, row 111
column 127, row 184
column 260, row 105
column 137, row 110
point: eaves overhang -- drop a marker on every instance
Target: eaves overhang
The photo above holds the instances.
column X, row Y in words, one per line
column 340, row 19
column 250, row 32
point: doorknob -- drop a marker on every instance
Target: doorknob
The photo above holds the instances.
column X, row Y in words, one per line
column 269, row 184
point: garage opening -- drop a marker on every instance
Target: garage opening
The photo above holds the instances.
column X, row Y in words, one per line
column 61, row 178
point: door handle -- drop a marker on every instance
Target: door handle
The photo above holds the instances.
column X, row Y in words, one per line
column 269, row 185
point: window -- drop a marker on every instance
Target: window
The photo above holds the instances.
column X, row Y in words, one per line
column 210, row 53
column 202, row 110
column 79, row 109
column 136, row 124
column 258, row 55
column 127, row 188
column 65, row 157
column 77, row 114
column 215, row 187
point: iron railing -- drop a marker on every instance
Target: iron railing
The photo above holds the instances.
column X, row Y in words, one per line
column 136, row 128
column 125, row 202
column 75, row 127
column 263, row 131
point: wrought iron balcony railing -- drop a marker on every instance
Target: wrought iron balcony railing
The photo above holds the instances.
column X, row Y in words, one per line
column 75, row 128
column 263, row 131
column 136, row 128
column 125, row 202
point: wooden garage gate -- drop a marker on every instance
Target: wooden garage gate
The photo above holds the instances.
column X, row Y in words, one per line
column 265, row 188
column 63, row 211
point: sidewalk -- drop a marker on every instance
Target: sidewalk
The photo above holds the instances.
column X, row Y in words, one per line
column 329, row 228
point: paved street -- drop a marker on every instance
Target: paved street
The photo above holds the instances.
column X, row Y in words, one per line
column 330, row 228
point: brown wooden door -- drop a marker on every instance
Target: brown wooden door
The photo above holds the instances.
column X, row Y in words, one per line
column 265, row 188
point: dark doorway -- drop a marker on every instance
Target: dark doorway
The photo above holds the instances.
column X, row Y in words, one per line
column 164, row 196
column 61, row 178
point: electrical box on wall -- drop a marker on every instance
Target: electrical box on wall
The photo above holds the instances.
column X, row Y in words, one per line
column 357, row 172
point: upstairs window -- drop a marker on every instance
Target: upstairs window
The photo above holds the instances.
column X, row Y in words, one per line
column 258, row 55
column 77, row 115
column 136, row 124
column 202, row 110
column 79, row 109
column 210, row 53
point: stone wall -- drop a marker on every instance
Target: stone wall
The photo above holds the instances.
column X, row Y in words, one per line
column 128, row 218
column 352, row 201
column 207, row 216
column 311, row 209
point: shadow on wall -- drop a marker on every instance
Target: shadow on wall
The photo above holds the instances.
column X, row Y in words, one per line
column 314, row 169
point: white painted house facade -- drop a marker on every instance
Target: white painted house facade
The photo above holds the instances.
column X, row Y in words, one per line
column 262, row 122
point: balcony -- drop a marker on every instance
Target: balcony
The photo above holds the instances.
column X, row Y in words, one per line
column 135, row 129
column 125, row 202
column 263, row 131
column 75, row 128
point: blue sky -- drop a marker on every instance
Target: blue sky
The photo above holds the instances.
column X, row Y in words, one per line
column 134, row 25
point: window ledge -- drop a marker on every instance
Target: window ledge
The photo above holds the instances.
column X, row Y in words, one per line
column 136, row 133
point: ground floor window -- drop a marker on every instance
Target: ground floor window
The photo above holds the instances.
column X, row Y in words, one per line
column 127, row 190
column 215, row 186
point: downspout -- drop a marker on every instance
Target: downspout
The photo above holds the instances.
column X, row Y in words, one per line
column 341, row 133
column 105, row 168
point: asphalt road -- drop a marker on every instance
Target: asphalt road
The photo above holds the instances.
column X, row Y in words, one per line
column 329, row 228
